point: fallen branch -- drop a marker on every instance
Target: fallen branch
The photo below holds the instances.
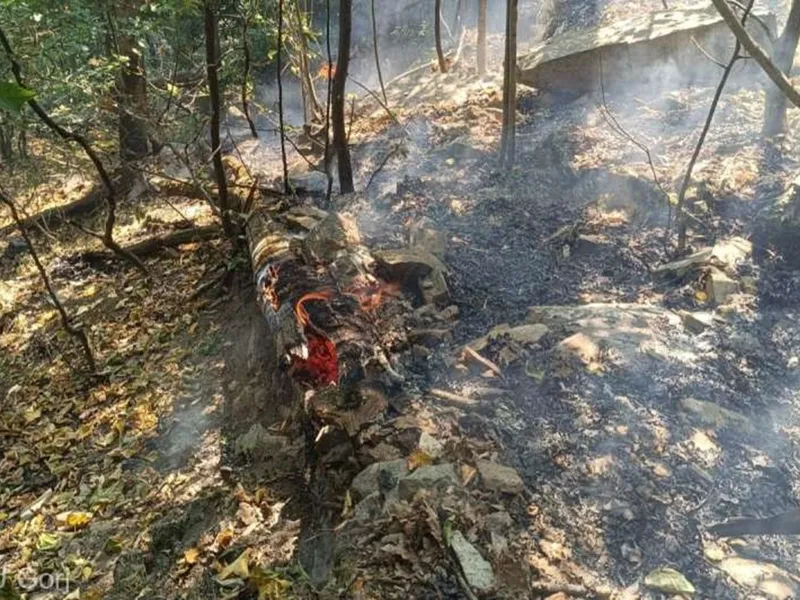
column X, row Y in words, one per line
column 757, row 52
column 155, row 244
column 66, row 321
column 70, row 136
column 454, row 399
column 570, row 589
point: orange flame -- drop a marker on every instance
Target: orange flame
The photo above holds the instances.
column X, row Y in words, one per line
column 371, row 295
column 327, row 71
column 300, row 311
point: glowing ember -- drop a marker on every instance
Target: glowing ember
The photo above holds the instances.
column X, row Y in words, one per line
column 321, row 366
column 370, row 295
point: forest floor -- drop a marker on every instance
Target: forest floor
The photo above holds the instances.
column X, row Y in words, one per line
column 632, row 425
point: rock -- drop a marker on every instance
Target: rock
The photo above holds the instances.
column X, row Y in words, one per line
column 370, row 479
column 680, row 268
column 714, row 415
column 477, row 570
column 731, row 251
column 383, row 452
column 258, row 443
column 499, row 478
column 424, row 237
column 428, row 478
column 720, row 287
column 448, row 314
column 434, row 289
column 668, row 581
column 430, row 445
column 579, row 346
column 334, row 232
column 369, row 508
column 697, row 322
column 498, row 522
column 764, row 578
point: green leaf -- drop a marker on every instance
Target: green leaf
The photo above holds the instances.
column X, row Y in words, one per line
column 13, row 96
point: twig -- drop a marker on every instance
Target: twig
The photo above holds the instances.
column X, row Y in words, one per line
column 385, row 160
column 706, row 53
column 377, row 56
column 284, row 164
column 379, row 101
column 74, row 330
column 706, row 126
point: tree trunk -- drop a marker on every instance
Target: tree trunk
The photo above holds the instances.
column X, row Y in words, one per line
column 508, row 139
column 314, row 109
column 279, row 68
column 346, row 185
column 437, row 33
column 785, row 48
column 131, row 87
column 482, row 37
column 212, row 66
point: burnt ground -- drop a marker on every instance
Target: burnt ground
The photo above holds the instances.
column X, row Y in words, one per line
column 622, row 472
column 621, row 477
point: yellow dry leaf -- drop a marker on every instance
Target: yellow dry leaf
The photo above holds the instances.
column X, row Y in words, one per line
column 31, row 414
column 74, row 519
column 86, row 573
column 191, row 556
column 700, row 296
column 224, row 538
column 238, row 568
column 467, row 474
column 419, row 458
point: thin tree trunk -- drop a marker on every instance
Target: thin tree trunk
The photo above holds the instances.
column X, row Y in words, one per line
column 107, row 237
column 246, row 74
column 375, row 45
column 785, row 49
column 212, row 66
column 508, row 138
column 346, row 185
column 286, row 186
column 680, row 210
column 482, row 37
column 437, row 33
column 131, row 85
column 328, row 92
column 75, row 331
column 315, row 110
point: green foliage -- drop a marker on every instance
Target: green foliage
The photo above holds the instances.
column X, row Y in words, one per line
column 13, row 97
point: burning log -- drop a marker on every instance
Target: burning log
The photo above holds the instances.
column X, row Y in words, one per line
column 320, row 297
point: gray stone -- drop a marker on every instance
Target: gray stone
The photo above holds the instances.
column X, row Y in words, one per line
column 697, row 322
column 720, row 287
column 370, row 479
column 498, row 522
column 499, row 477
column 477, row 570
column 425, row 237
column 428, row 478
column 679, row 268
column 334, row 232
column 430, row 445
column 258, row 443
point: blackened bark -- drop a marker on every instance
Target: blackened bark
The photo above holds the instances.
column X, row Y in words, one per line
column 437, row 33
column 246, row 75
column 346, row 185
column 212, row 66
column 508, row 140
column 278, row 59
column 785, row 48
